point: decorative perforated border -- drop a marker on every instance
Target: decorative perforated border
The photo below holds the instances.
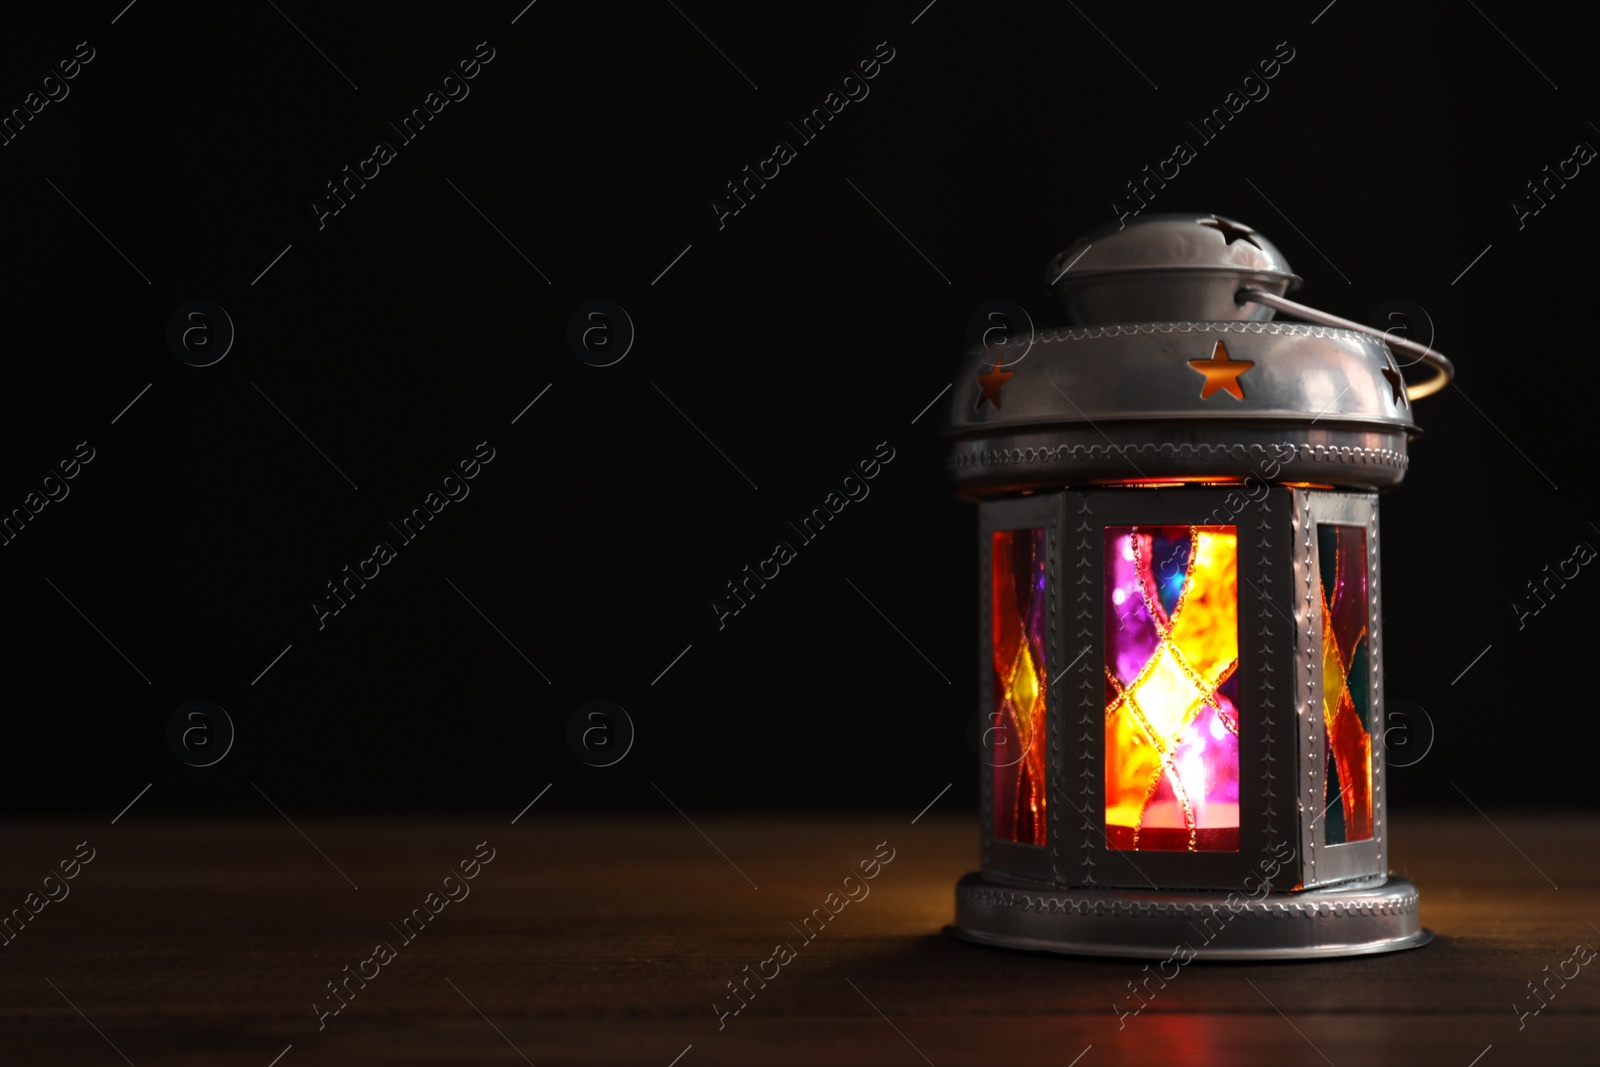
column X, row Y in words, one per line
column 1271, row 328
column 1308, row 622
column 1282, row 453
column 1091, row 695
column 1265, row 689
column 1057, row 904
column 1375, row 682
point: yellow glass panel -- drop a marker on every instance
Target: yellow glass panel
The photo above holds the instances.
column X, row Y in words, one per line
column 1172, row 653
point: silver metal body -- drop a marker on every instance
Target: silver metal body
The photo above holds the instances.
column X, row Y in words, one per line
column 1117, row 403
column 1106, row 424
column 1348, row 921
column 1443, row 369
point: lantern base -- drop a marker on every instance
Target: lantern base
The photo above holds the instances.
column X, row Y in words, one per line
column 1375, row 916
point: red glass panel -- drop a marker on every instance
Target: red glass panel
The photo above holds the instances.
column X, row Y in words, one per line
column 1346, row 701
column 1017, row 727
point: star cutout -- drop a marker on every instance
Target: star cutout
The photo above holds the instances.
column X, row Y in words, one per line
column 1231, row 231
column 990, row 385
column 1221, row 372
column 1397, row 384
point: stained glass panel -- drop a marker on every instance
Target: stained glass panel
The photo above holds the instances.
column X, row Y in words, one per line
column 1346, row 685
column 1017, row 728
column 1172, row 718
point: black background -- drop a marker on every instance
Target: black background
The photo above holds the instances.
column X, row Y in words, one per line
column 797, row 338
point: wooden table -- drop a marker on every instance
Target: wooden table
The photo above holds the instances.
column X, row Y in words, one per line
column 589, row 941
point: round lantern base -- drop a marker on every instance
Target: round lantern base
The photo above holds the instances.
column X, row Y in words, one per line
column 1180, row 925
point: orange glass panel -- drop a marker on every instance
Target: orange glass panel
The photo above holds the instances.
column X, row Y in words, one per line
column 1172, row 718
column 1017, row 726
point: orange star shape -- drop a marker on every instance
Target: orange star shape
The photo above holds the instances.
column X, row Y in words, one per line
column 990, row 385
column 1221, row 372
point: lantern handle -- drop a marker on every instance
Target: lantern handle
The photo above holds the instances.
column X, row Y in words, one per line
column 1443, row 369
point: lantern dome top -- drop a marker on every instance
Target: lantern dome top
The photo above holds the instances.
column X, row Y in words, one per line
column 1177, row 373
column 1169, row 267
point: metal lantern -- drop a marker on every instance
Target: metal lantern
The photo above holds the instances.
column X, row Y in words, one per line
column 1180, row 621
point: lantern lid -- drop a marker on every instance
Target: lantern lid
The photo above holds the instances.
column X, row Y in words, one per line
column 1173, row 376
column 1168, row 267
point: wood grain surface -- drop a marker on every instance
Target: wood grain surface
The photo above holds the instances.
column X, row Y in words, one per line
column 608, row 941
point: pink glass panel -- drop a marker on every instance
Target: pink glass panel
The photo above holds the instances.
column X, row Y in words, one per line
column 1172, row 717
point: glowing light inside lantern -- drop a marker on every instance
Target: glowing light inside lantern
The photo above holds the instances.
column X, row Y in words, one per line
column 1017, row 726
column 1172, row 657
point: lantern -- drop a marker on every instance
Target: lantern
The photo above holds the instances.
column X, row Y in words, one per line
column 1181, row 685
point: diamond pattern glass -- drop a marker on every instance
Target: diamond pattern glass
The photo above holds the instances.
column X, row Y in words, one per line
column 1346, row 701
column 1172, row 719
column 1017, row 726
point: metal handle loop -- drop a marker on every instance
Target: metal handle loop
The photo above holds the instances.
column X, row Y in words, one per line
column 1443, row 369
